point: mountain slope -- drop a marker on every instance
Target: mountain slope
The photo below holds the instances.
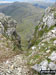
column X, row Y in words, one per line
column 21, row 10
column 8, row 41
column 42, row 54
column 26, row 15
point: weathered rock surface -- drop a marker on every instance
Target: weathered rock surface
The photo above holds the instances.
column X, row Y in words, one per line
column 53, row 56
column 1, row 28
column 42, row 66
column 49, row 19
column 8, row 28
column 8, row 24
column 44, row 56
column 52, row 66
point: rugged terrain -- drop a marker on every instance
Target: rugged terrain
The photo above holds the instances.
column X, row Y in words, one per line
column 42, row 55
column 8, row 41
column 41, row 52
column 27, row 16
column 12, row 59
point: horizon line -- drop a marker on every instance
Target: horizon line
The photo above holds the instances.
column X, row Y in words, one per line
column 25, row 1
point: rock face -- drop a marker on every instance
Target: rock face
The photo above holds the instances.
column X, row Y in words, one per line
column 52, row 66
column 47, row 23
column 8, row 28
column 1, row 28
column 44, row 56
column 42, row 66
column 48, row 19
column 8, row 24
column 53, row 56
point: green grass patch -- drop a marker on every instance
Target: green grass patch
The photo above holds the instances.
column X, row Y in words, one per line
column 53, row 48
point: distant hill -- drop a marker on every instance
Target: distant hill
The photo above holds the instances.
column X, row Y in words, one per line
column 26, row 14
column 22, row 10
column 42, row 4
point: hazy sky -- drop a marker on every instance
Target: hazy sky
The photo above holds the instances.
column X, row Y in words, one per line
column 5, row 1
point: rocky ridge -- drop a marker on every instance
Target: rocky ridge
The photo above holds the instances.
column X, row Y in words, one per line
column 11, row 62
column 43, row 56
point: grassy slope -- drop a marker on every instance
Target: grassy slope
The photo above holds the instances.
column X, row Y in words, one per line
column 6, row 48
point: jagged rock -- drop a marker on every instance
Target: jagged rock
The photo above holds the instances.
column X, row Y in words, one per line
column 10, row 31
column 48, row 18
column 47, row 11
column 53, row 31
column 33, row 47
column 53, row 56
column 52, row 66
column 1, row 28
column 36, row 67
column 8, row 28
column 42, row 66
column 8, row 24
column 54, row 42
column 45, row 35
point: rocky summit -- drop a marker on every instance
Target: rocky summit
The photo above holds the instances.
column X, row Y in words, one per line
column 40, row 53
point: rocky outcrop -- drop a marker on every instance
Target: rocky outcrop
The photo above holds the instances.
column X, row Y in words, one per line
column 44, row 55
column 1, row 28
column 8, row 24
column 53, row 56
column 48, row 18
column 46, row 23
column 44, row 65
column 8, row 28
